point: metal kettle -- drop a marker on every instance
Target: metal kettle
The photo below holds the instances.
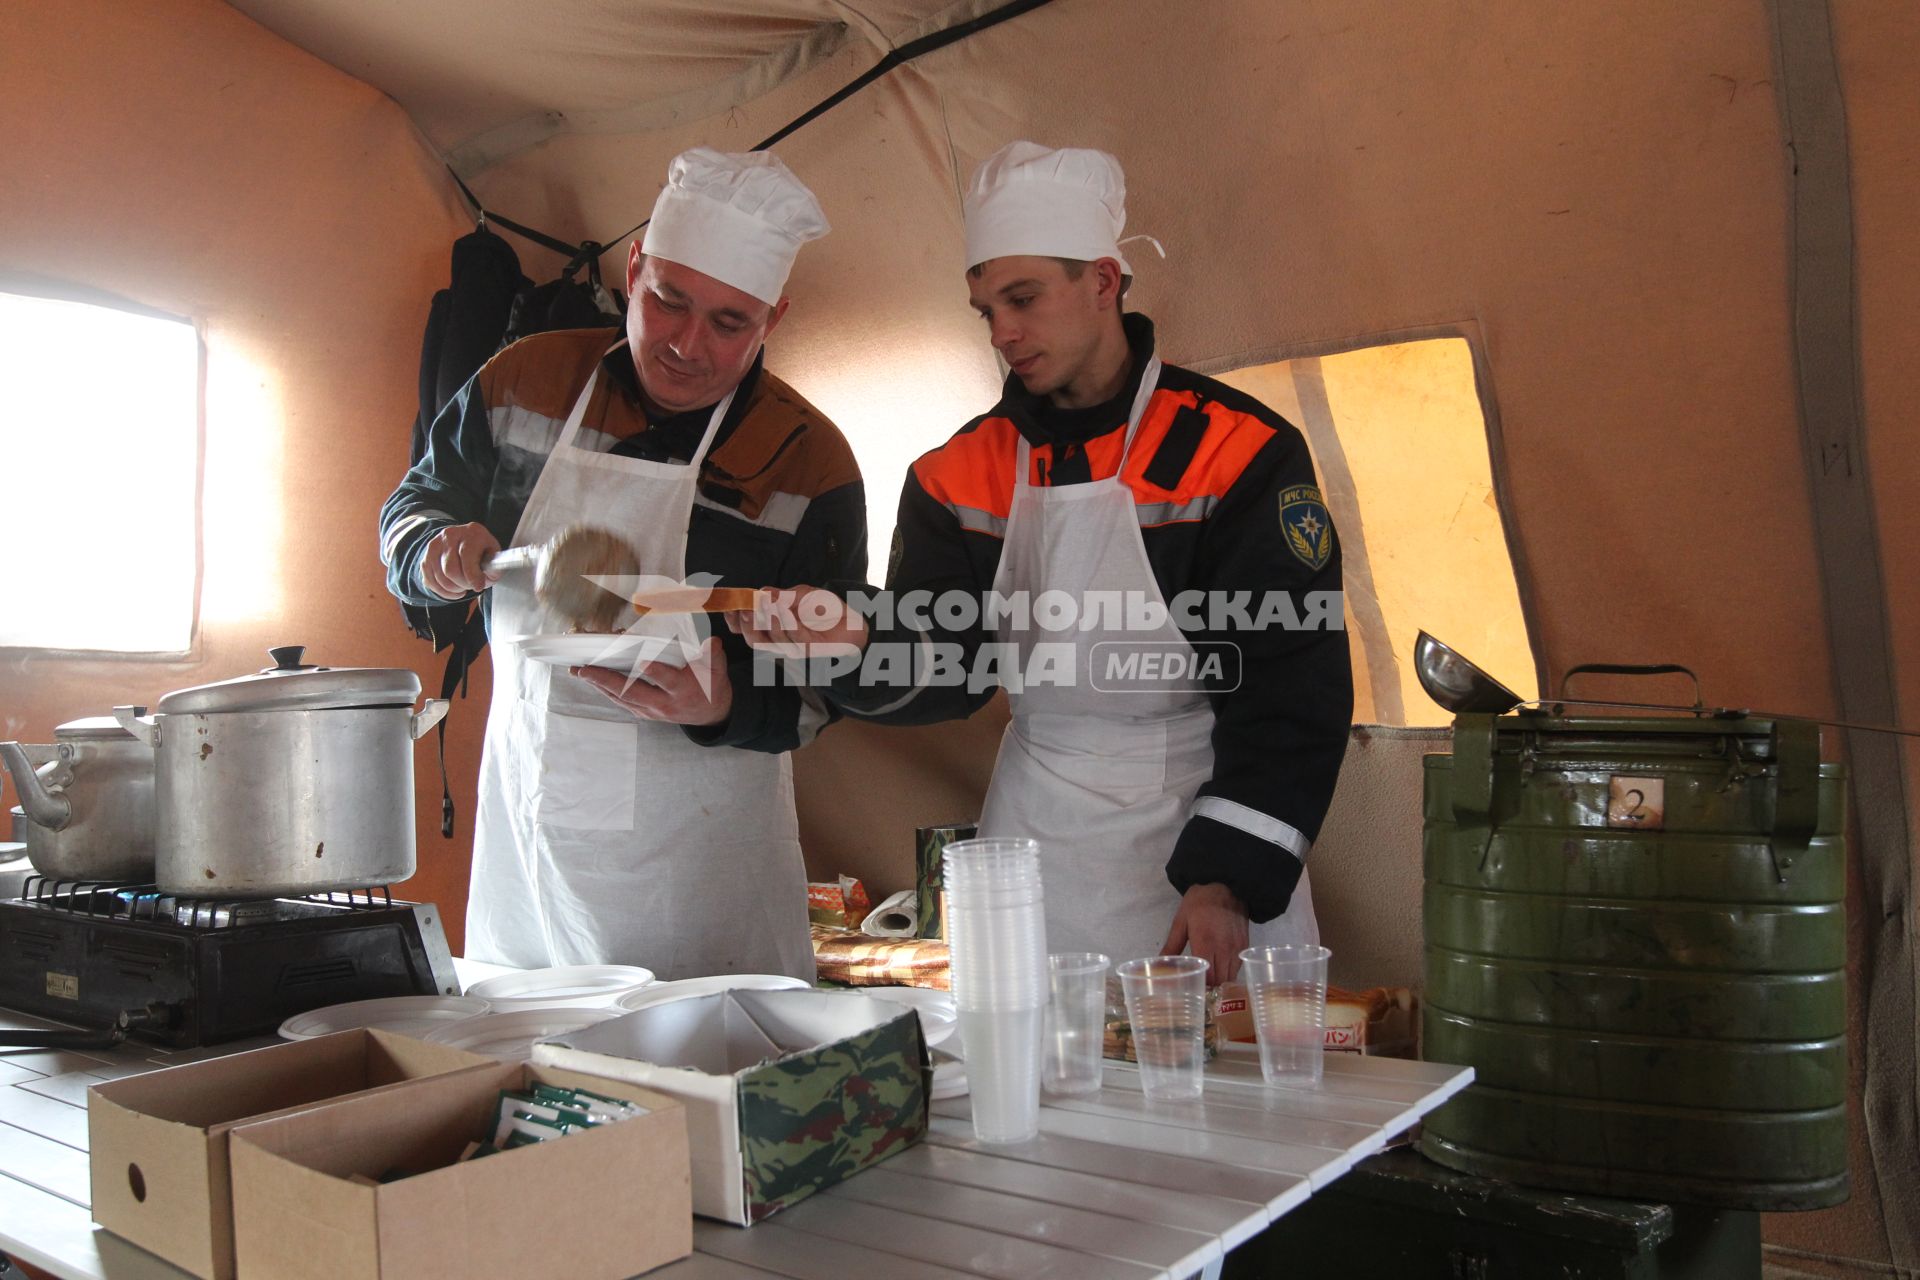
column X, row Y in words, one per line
column 88, row 798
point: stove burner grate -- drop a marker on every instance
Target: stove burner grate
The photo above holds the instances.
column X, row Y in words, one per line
column 135, row 902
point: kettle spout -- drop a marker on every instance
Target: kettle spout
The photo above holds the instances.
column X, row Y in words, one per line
column 43, row 791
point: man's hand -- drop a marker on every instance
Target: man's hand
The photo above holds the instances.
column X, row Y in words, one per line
column 1211, row 924
column 451, row 566
column 661, row 691
column 801, row 622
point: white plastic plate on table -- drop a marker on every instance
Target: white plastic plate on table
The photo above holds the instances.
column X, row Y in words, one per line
column 570, row 986
column 687, row 988
column 510, row 1036
column 937, row 1017
column 405, row 1015
column 618, row 651
column 949, row 1080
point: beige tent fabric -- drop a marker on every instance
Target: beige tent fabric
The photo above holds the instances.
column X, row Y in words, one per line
column 487, row 81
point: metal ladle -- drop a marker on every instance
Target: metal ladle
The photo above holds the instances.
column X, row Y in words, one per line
column 1463, row 688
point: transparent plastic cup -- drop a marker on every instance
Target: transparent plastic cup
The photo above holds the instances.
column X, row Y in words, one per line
column 1076, row 1022
column 1003, row 1071
column 996, row 924
column 998, row 955
column 1167, row 1012
column 1287, row 987
column 997, row 936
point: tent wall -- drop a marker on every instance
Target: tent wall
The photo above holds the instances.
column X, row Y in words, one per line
column 1595, row 195
column 178, row 155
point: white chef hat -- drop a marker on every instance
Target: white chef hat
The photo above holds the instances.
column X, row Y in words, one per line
column 1069, row 202
column 738, row 218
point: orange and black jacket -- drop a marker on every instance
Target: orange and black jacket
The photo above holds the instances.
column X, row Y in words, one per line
column 779, row 500
column 1227, row 502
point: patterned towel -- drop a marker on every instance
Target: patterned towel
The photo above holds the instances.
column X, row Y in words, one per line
column 843, row 955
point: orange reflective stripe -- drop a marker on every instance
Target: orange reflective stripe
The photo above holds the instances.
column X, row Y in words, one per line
column 973, row 470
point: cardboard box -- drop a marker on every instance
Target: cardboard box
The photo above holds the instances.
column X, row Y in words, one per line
column 1377, row 1022
column 159, row 1141
column 786, row 1091
column 604, row 1204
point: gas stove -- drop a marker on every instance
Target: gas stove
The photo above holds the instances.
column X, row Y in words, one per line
column 196, row 971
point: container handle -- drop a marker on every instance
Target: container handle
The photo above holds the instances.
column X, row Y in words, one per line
column 1635, row 669
column 137, row 722
column 430, row 714
column 1796, row 794
column 1473, row 778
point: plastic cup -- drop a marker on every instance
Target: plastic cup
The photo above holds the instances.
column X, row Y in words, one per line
column 1076, row 1022
column 1287, row 987
column 1003, row 1071
column 996, row 925
column 997, row 934
column 1167, row 1011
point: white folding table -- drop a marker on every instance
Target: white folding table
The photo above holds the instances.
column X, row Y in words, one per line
column 1114, row 1186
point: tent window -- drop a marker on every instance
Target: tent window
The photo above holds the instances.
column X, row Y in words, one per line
column 99, row 442
column 1401, row 447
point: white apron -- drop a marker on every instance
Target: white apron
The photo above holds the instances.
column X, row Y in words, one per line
column 1103, row 780
column 602, row 839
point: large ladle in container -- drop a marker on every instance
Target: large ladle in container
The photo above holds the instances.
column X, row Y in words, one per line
column 564, row 568
column 1464, row 689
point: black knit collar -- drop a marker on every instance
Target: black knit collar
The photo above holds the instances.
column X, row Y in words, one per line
column 1043, row 422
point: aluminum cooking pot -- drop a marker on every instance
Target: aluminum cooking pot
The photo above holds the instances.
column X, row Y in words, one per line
column 88, row 802
column 295, row 780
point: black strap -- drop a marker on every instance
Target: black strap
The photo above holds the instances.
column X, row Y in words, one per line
column 460, row 655
column 1175, row 454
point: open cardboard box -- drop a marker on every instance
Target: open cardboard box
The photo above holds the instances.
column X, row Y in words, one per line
column 604, row 1204
column 159, row 1141
column 786, row 1091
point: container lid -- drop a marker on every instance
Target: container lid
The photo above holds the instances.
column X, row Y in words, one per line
column 1708, row 736
column 292, row 685
column 90, row 729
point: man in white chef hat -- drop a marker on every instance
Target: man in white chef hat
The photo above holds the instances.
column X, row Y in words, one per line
column 1173, row 812
column 644, row 821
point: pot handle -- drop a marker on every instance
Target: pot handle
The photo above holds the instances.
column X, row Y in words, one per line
column 137, row 722
column 430, row 714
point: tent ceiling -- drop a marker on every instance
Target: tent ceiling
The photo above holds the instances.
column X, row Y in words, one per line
column 487, row 78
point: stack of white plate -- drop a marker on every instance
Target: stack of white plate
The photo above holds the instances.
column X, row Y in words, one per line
column 937, row 1017
column 573, row 986
column 417, row 1016
column 510, row 1036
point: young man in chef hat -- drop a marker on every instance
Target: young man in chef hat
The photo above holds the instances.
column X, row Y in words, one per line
column 610, row 828
column 1174, row 811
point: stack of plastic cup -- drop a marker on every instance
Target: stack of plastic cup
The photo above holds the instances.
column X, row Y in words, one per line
column 1287, row 987
column 997, row 934
column 1076, row 1022
column 1167, row 1012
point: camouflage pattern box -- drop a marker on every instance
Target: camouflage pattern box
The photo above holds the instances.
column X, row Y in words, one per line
column 786, row 1092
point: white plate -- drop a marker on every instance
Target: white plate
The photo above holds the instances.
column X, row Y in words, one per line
column 510, row 1036
column 687, row 988
column 937, row 1017
column 586, row 986
column 949, row 1081
column 620, row 652
column 405, row 1015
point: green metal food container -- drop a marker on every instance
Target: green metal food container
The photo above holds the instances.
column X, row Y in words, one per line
column 1636, row 936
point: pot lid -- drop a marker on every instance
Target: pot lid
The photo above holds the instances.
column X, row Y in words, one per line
column 90, row 729
column 292, row 685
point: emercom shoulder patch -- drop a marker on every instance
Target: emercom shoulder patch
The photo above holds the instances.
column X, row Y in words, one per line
column 1308, row 527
